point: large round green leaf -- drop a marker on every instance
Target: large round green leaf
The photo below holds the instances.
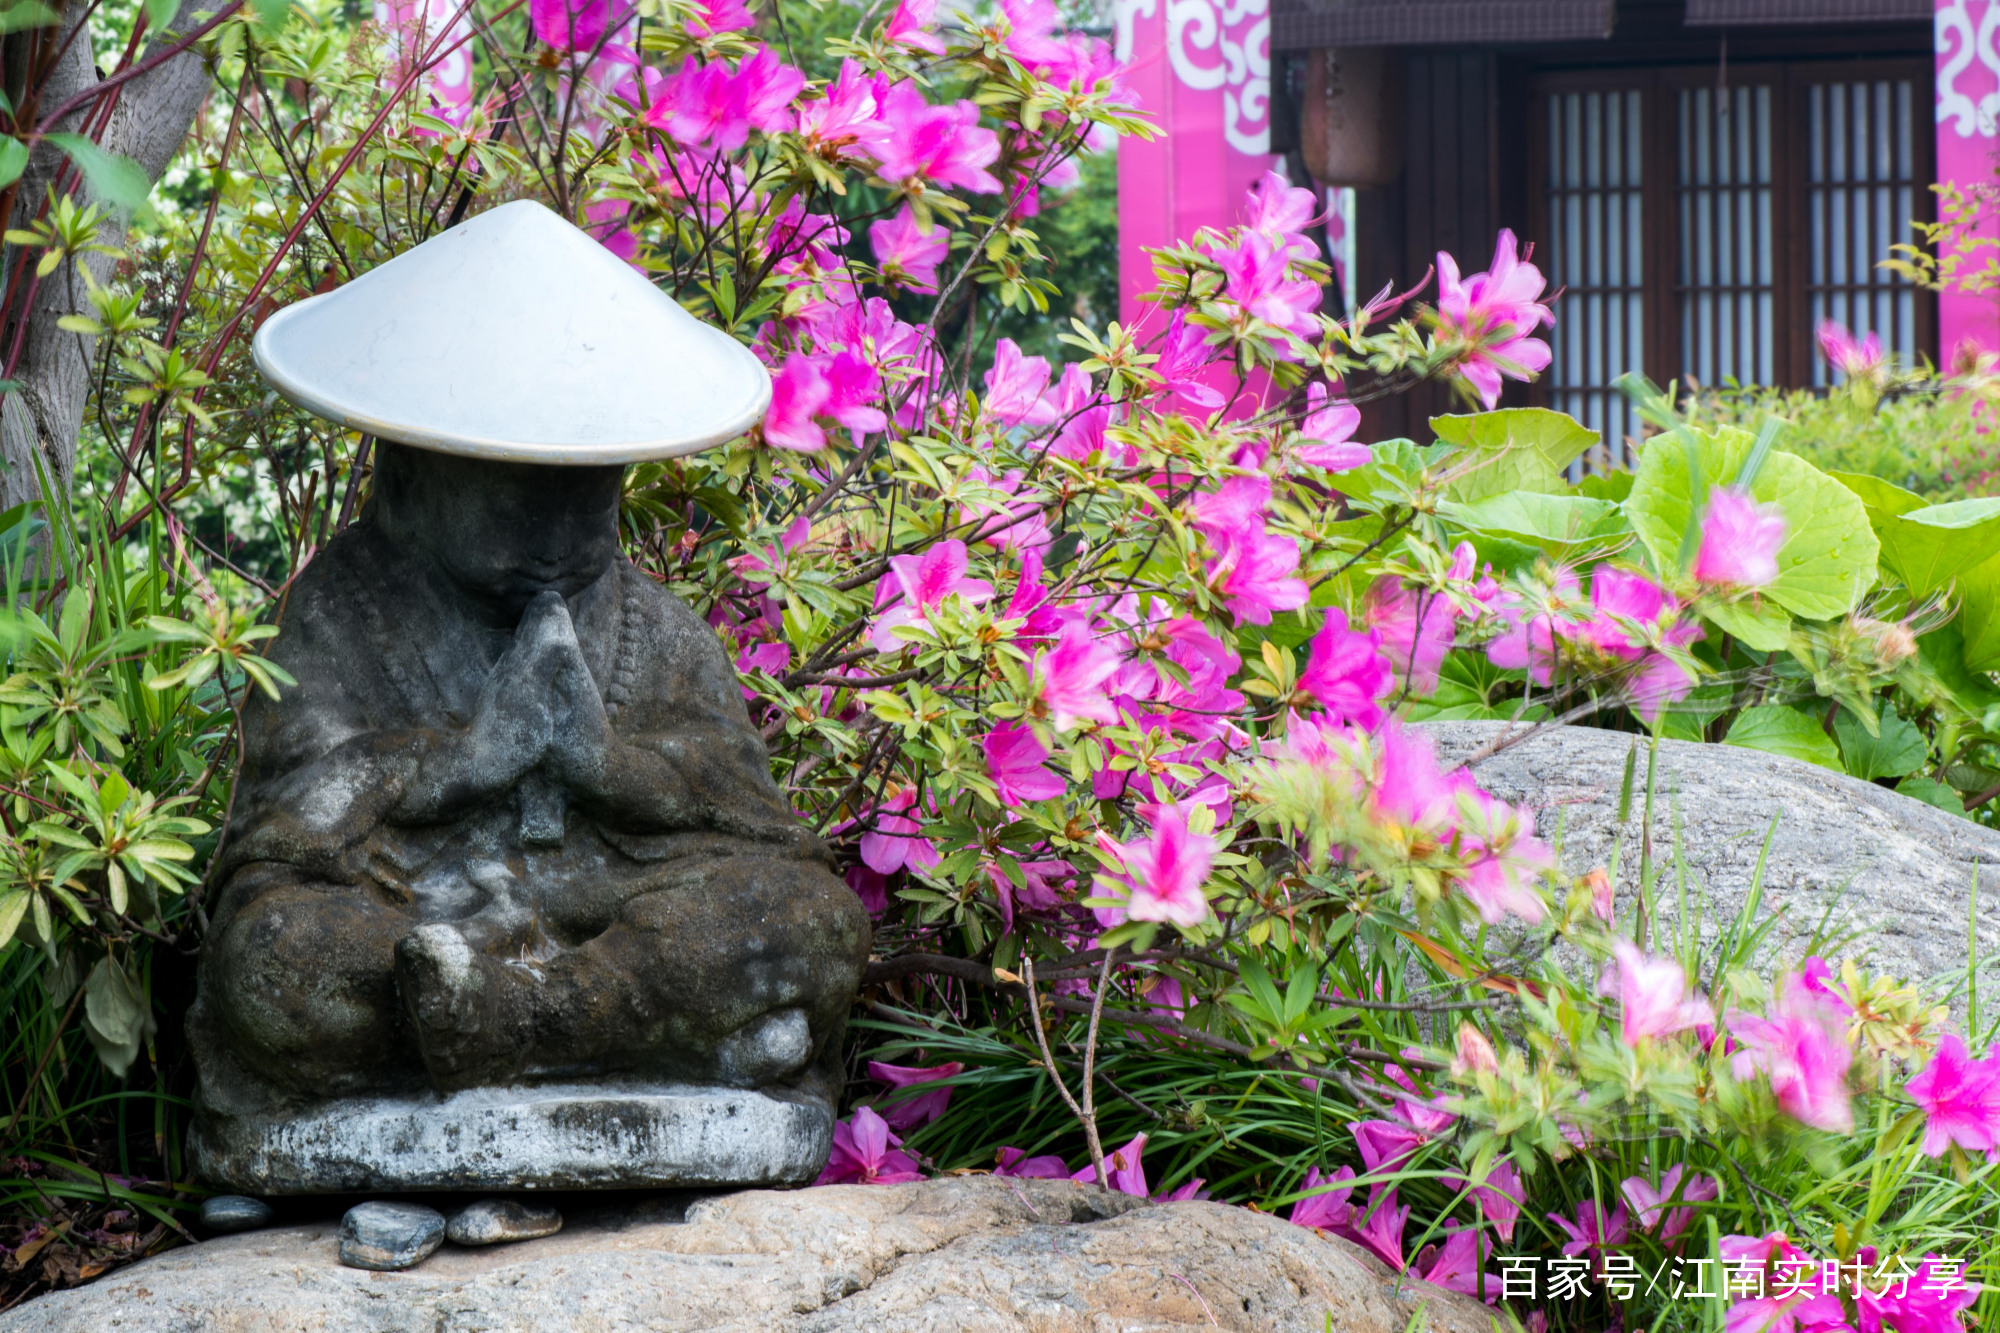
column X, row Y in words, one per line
column 1828, row 559
column 1930, row 547
column 1513, row 449
column 1778, row 729
column 1564, row 527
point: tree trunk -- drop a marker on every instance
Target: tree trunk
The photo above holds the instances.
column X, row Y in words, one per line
column 41, row 417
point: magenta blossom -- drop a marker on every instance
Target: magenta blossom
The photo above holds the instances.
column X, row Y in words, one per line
column 1931, row 1301
column 935, row 145
column 918, row 585
column 1960, row 1098
column 1068, row 679
column 1653, row 992
column 925, row 1106
column 1122, row 1166
column 1455, row 1265
column 897, row 842
column 866, row 1153
column 1281, row 212
column 1739, row 541
column 711, row 105
column 910, row 26
column 1184, row 353
column 570, row 25
column 1014, row 761
column 1015, row 1162
column 1324, row 1204
column 1500, row 1197
column 1381, row 1228
column 1492, row 314
column 1016, row 385
column 907, row 253
column 1167, row 870
column 1802, row 1048
column 1653, row 1207
column 1346, row 672
column 1856, row 359
column 714, row 16
column 1328, row 426
column 1790, row 1294
column 1593, row 1232
column 1385, row 1145
column 1257, row 277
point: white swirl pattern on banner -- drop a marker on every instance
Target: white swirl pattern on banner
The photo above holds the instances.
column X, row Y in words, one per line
column 1960, row 41
column 1211, row 46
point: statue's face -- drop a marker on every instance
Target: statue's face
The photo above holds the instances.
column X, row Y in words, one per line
column 502, row 532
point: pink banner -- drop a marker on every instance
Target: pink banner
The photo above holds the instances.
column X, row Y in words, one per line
column 1202, row 69
column 1968, row 135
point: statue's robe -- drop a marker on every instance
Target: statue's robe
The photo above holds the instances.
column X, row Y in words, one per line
column 628, row 941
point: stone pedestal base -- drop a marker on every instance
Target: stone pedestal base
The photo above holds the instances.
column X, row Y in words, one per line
column 557, row 1136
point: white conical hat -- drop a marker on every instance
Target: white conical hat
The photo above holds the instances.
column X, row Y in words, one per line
column 514, row 336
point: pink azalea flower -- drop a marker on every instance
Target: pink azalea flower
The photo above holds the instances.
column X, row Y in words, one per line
column 1455, row 1265
column 1015, row 1162
column 853, row 386
column 1327, row 1209
column 1256, row 275
column 1414, row 646
column 910, row 26
column 798, row 391
column 1385, row 1145
column 1930, row 1302
column 1492, row 314
column 714, row 16
column 1855, row 359
column 1593, row 1231
column 1014, row 762
column 866, row 1153
column 1409, row 798
column 1330, row 424
column 1381, row 1230
column 844, row 116
column 1035, row 893
column 871, row 887
column 1505, row 859
column 1653, row 1206
column 918, row 585
column 1739, row 541
column 1346, row 672
column 709, row 105
column 1654, row 680
column 909, row 255
column 1960, row 1097
column 1068, row 679
column 924, row 1107
column 1817, row 979
column 1653, row 992
column 570, row 25
column 1281, row 212
column 1794, row 1295
column 1500, row 1197
column 1122, row 1166
column 1803, row 1050
column 935, row 145
column 1184, row 353
column 1015, row 385
column 1167, row 870
column 897, row 841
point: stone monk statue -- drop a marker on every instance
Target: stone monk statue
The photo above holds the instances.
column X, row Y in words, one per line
column 511, row 832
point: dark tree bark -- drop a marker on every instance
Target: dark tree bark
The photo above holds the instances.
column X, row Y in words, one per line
column 42, row 417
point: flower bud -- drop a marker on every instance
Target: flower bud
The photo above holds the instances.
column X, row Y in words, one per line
column 1475, row 1053
column 1892, row 640
column 1598, row 884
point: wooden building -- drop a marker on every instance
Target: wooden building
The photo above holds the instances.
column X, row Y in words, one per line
column 1704, row 179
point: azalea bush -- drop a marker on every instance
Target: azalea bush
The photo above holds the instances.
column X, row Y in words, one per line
column 1105, row 681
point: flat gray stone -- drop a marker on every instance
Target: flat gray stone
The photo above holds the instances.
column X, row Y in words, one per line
column 943, row 1256
column 1893, row 875
column 226, row 1213
column 388, row 1237
column 546, row 1137
column 498, row 1221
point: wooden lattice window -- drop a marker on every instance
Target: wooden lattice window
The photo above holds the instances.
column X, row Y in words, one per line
column 1702, row 221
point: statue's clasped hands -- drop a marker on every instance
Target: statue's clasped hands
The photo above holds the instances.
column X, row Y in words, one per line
column 540, row 708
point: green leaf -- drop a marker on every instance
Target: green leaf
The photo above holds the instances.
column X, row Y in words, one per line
column 1979, row 615
column 1932, row 792
column 271, row 14
column 117, row 1015
column 1565, row 527
column 13, row 906
column 1757, row 623
column 27, row 14
column 1942, row 651
column 118, row 181
column 1931, row 546
column 1828, row 559
column 1879, row 494
column 1516, row 448
column 1781, row 729
column 13, row 161
column 159, row 13
column 1899, row 750
column 1606, row 486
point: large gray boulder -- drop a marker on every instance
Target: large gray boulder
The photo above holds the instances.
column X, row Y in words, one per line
column 964, row 1253
column 1891, row 875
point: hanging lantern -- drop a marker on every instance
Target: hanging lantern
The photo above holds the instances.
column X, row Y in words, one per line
column 1351, row 120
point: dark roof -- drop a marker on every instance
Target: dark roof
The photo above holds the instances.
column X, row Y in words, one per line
column 1305, row 24
column 1718, row 12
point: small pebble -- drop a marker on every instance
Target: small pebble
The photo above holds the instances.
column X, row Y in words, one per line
column 496, row 1221
column 236, row 1212
column 389, row 1236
